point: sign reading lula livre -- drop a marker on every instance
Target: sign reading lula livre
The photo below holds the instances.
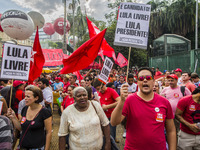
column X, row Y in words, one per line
column 15, row 62
column 105, row 71
column 133, row 25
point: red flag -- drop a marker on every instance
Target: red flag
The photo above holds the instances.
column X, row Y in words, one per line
column 93, row 30
column 79, row 76
column 84, row 55
column 37, row 61
column 121, row 60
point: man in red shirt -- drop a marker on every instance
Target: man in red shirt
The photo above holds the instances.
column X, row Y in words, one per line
column 158, row 72
column 147, row 115
column 186, row 81
column 188, row 113
column 108, row 99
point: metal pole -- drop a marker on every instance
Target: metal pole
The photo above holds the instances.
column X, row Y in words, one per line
column 73, row 8
column 196, row 30
column 64, row 37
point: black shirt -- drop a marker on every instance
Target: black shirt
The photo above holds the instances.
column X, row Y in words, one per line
column 35, row 136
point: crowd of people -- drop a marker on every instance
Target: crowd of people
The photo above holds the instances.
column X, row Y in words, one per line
column 159, row 111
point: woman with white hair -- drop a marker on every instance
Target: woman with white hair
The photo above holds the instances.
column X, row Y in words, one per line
column 83, row 121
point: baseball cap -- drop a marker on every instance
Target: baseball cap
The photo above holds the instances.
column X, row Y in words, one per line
column 57, row 78
column 178, row 70
column 173, row 76
column 17, row 83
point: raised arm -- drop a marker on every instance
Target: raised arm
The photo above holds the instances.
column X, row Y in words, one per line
column 116, row 116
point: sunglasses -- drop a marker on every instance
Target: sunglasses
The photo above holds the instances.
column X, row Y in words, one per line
column 141, row 78
column 87, row 80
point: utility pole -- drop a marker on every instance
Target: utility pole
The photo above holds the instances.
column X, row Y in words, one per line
column 196, row 26
column 64, row 37
column 73, row 9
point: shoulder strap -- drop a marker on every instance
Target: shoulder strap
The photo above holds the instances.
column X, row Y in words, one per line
column 29, row 126
column 183, row 90
column 94, row 108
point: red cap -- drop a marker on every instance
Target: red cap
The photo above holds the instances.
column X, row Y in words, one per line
column 173, row 76
column 57, row 78
column 17, row 83
column 178, row 70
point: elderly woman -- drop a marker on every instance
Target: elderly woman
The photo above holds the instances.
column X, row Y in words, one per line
column 82, row 121
column 35, row 118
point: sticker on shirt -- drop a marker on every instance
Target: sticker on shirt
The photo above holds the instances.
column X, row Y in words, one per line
column 106, row 99
column 176, row 95
column 159, row 117
column 192, row 108
column 157, row 109
column 23, row 120
column 32, row 122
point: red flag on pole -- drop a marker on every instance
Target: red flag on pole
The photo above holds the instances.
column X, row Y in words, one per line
column 105, row 47
column 84, row 55
column 37, row 61
column 79, row 76
column 121, row 60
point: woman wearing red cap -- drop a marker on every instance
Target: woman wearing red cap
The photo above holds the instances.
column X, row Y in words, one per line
column 17, row 95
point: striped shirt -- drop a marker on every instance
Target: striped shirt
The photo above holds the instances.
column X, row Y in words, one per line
column 6, row 137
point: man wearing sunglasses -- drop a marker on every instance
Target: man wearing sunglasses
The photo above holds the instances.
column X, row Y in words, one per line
column 147, row 115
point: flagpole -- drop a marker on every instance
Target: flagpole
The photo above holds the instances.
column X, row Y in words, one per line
column 129, row 55
column 11, row 94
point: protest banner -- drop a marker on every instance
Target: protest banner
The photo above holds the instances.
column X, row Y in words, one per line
column 53, row 57
column 105, row 71
column 133, row 25
column 15, row 62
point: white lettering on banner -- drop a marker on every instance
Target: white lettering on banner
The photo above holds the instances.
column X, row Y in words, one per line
column 107, row 66
column 133, row 25
column 15, row 62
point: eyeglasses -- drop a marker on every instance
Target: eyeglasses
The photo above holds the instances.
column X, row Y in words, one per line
column 87, row 80
column 141, row 78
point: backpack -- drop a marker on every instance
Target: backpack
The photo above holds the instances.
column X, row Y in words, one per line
column 183, row 90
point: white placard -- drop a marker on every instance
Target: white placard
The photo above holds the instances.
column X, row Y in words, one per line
column 15, row 62
column 133, row 25
column 1, row 106
column 105, row 71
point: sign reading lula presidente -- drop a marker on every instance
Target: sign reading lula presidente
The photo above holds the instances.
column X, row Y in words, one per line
column 133, row 25
column 15, row 62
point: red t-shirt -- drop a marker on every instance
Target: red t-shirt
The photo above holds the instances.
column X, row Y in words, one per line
column 66, row 85
column 108, row 97
column 67, row 101
column 190, row 113
column 158, row 73
column 20, row 96
column 146, row 122
column 190, row 86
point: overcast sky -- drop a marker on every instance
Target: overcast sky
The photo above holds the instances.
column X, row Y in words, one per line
column 52, row 9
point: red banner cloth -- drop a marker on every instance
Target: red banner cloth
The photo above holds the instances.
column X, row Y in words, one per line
column 37, row 61
column 121, row 60
column 105, row 47
column 53, row 57
column 84, row 55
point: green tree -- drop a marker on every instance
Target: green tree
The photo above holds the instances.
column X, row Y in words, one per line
column 52, row 44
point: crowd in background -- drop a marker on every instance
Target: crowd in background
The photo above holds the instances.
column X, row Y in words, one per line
column 86, row 107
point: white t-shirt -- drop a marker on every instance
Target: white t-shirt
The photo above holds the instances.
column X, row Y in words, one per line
column 84, row 128
column 48, row 94
column 132, row 88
